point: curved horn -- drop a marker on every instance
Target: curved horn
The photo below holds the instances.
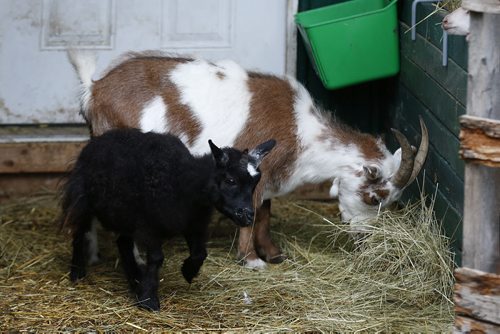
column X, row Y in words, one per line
column 400, row 179
column 422, row 152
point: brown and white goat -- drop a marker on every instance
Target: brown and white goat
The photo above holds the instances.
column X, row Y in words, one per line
column 197, row 100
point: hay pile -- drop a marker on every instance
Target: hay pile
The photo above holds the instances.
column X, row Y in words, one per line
column 397, row 280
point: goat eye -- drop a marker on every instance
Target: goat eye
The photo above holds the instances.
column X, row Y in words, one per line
column 230, row 181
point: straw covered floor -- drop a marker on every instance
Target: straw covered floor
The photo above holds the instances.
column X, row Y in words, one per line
column 398, row 279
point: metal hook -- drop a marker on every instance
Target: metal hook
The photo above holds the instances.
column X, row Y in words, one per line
column 414, row 29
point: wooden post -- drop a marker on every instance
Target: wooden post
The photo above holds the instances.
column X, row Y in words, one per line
column 481, row 244
column 477, row 290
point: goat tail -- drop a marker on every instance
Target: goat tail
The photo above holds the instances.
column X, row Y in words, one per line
column 75, row 208
column 84, row 62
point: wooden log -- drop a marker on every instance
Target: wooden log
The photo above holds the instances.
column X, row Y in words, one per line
column 38, row 157
column 480, row 140
column 481, row 228
column 477, row 301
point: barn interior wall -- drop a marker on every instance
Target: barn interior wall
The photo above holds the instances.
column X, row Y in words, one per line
column 423, row 87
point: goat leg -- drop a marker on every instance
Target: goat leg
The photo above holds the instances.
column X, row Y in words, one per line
column 262, row 238
column 132, row 271
column 246, row 250
column 197, row 255
column 80, row 250
column 147, row 294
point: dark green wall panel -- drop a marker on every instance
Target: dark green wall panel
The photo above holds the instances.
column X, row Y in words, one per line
column 430, row 30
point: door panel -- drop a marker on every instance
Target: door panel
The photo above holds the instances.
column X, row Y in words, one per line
column 37, row 84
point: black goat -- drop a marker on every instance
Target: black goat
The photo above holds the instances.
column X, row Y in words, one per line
column 147, row 187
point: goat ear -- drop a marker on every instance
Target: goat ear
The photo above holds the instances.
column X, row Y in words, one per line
column 259, row 152
column 372, row 172
column 219, row 155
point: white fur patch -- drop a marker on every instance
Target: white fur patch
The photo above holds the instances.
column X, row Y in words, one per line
column 319, row 158
column 218, row 96
column 255, row 264
column 334, row 190
column 91, row 236
column 457, row 22
column 137, row 255
column 153, row 116
column 251, row 170
column 84, row 63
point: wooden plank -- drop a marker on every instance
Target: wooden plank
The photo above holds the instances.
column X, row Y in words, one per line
column 482, row 184
column 428, row 57
column 433, row 96
column 38, row 157
column 15, row 185
column 477, row 295
column 482, row 6
column 480, row 140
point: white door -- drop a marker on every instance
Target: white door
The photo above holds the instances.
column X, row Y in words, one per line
column 37, row 84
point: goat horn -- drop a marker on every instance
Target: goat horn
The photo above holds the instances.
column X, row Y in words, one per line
column 400, row 179
column 421, row 154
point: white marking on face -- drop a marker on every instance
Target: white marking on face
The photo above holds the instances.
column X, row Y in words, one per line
column 255, row 264
column 251, row 170
column 218, row 96
column 153, row 116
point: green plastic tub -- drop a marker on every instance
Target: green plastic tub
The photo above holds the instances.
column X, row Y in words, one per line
column 352, row 42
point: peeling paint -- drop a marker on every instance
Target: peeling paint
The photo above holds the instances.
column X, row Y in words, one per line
column 4, row 108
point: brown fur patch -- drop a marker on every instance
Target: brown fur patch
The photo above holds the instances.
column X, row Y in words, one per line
column 271, row 116
column 379, row 190
column 119, row 97
column 220, row 75
column 367, row 144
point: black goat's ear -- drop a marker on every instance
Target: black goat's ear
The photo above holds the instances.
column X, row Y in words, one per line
column 259, row 152
column 219, row 155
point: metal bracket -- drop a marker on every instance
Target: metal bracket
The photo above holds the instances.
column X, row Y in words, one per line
column 414, row 29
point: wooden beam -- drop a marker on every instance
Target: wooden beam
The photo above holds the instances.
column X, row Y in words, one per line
column 481, row 227
column 477, row 301
column 25, row 184
column 38, row 157
column 482, row 6
column 480, row 140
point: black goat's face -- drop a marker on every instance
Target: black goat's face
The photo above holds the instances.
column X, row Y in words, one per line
column 236, row 175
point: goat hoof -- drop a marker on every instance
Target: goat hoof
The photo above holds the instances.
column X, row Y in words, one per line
column 149, row 303
column 190, row 269
column 76, row 274
column 277, row 259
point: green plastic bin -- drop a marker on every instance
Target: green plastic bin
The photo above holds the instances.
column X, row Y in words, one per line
column 352, row 42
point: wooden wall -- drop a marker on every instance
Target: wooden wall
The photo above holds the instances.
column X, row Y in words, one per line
column 437, row 93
